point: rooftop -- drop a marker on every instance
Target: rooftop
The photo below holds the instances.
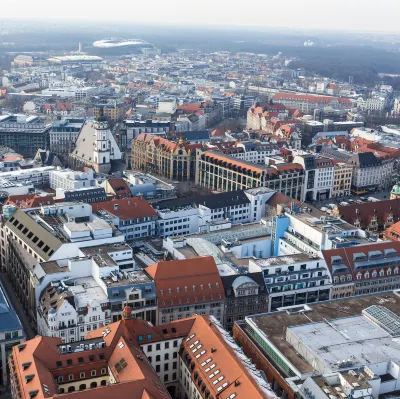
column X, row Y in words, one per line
column 274, row 326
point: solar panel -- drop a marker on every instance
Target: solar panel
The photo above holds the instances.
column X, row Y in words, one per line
column 384, row 318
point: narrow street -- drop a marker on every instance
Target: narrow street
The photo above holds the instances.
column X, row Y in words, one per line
column 16, row 305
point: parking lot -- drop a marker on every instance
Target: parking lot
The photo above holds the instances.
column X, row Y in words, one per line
column 380, row 195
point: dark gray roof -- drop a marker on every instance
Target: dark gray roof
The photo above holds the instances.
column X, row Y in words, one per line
column 197, row 135
column 229, row 281
column 213, row 201
column 365, row 160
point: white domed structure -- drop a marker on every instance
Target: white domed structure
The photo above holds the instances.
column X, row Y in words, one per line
column 117, row 46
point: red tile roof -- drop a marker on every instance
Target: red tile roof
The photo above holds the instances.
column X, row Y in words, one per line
column 126, row 208
column 344, row 260
column 366, row 211
column 393, row 232
column 194, row 280
column 29, row 200
column 214, row 364
column 307, row 97
column 120, row 187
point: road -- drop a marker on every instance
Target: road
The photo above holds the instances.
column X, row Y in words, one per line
column 17, row 307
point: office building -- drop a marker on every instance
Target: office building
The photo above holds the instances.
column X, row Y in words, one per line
column 135, row 217
column 293, row 280
column 24, row 134
column 221, row 172
column 67, row 179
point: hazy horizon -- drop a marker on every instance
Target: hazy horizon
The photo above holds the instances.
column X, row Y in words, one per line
column 358, row 15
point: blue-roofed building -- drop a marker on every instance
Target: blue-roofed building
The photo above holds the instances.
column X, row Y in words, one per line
column 11, row 333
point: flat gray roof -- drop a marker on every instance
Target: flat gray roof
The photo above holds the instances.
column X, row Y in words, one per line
column 274, row 325
column 347, row 342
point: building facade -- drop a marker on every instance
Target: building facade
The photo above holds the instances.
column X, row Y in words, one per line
column 221, row 172
column 188, row 286
column 161, row 157
column 293, row 280
column 63, row 135
column 342, row 178
column 244, row 295
column 24, row 134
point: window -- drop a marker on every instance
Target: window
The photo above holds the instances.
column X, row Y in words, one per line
column 82, row 374
column 175, row 365
column 93, row 373
column 165, row 377
column 175, row 355
column 70, row 377
column 103, row 371
column 175, row 344
column 166, row 346
column 158, row 347
column 166, row 356
column 149, row 348
column 158, row 358
column 157, row 368
column 166, row 367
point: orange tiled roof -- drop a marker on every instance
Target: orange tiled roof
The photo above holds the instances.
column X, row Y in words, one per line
column 126, row 208
column 307, row 97
column 224, row 374
column 184, row 281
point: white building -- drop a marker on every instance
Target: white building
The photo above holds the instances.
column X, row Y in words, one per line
column 95, row 147
column 210, row 213
column 70, row 311
column 295, row 233
column 370, row 172
column 293, row 280
column 68, row 179
column 167, row 106
column 371, row 104
column 318, row 176
column 37, row 176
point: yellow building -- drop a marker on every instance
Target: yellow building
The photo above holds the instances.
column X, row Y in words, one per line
column 154, row 154
column 342, row 176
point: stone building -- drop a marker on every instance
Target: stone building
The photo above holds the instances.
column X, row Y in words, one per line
column 156, row 155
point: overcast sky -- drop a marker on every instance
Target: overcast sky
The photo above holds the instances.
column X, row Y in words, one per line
column 363, row 15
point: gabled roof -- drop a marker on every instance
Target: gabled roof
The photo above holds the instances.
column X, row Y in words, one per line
column 29, row 200
column 209, row 348
column 365, row 160
column 345, row 260
column 187, row 281
column 366, row 211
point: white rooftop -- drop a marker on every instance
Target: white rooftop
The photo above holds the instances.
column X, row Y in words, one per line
column 349, row 342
